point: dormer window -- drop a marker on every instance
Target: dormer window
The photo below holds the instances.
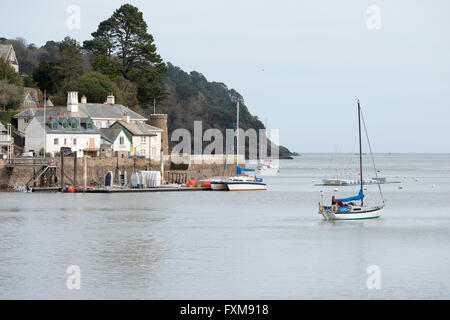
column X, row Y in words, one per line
column 54, row 124
column 74, row 123
column 64, row 122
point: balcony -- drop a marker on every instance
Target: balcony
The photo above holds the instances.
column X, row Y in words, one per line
column 5, row 139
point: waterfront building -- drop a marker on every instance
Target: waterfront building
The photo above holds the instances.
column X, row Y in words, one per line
column 57, row 131
column 116, row 140
column 145, row 140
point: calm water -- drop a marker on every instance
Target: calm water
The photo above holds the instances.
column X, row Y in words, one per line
column 220, row 245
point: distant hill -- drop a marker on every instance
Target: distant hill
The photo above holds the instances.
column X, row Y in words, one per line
column 191, row 97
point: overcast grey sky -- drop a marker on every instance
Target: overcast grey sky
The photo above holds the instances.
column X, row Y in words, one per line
column 301, row 64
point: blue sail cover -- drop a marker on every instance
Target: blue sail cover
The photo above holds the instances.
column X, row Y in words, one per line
column 240, row 170
column 358, row 197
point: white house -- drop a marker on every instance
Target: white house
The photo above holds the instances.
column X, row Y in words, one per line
column 118, row 139
column 146, row 139
column 55, row 132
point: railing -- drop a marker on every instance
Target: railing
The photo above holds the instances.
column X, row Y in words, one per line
column 29, row 162
column 5, row 139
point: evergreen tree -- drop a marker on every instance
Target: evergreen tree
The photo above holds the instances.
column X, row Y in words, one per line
column 122, row 46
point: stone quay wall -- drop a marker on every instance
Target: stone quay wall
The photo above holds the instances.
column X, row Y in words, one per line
column 97, row 168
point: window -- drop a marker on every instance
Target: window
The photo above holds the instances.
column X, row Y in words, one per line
column 74, row 123
column 98, row 124
column 65, row 141
column 89, row 124
column 143, row 139
column 74, row 141
column 64, row 122
column 121, row 140
column 56, row 141
column 26, row 120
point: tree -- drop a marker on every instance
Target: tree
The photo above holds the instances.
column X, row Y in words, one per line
column 11, row 86
column 96, row 87
column 9, row 74
column 10, row 95
column 122, row 45
column 44, row 75
column 70, row 60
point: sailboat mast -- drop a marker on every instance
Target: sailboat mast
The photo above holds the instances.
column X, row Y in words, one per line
column 360, row 148
column 237, row 132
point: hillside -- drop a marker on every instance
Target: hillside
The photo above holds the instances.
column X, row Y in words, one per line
column 191, row 97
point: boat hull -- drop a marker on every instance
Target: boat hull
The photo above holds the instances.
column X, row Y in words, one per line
column 370, row 213
column 246, row 186
column 219, row 186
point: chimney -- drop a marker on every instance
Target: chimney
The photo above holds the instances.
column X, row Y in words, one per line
column 83, row 99
column 126, row 117
column 72, row 101
column 110, row 99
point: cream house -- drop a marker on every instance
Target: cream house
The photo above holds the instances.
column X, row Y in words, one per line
column 146, row 139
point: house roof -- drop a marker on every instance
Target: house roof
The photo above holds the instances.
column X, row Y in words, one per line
column 52, row 111
column 92, row 110
column 110, row 134
column 82, row 127
column 108, row 111
column 138, row 128
column 6, row 50
column 32, row 92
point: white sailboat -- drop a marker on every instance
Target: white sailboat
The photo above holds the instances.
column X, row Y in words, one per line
column 266, row 166
column 348, row 208
column 241, row 182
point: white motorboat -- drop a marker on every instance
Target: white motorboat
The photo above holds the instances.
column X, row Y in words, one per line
column 245, row 183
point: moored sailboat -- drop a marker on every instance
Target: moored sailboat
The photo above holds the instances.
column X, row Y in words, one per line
column 347, row 208
column 240, row 182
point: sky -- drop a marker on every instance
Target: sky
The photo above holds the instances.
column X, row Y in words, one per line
column 300, row 64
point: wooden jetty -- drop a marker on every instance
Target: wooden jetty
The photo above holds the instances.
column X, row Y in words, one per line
column 158, row 189
column 123, row 190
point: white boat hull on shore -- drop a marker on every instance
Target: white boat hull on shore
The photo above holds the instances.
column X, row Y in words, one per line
column 246, row 186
